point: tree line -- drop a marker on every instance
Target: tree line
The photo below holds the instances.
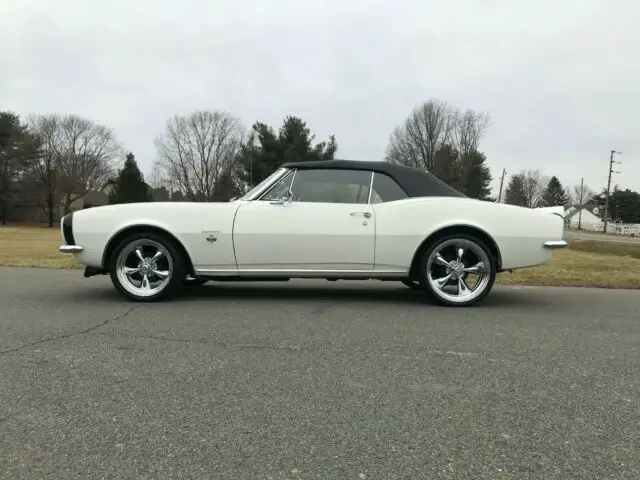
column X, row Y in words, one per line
column 531, row 188
column 53, row 160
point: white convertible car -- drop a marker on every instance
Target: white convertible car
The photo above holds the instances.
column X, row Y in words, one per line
column 335, row 219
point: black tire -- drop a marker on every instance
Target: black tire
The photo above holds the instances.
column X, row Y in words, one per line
column 194, row 281
column 474, row 247
column 171, row 260
column 413, row 284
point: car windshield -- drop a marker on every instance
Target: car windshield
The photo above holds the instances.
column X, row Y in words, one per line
column 258, row 187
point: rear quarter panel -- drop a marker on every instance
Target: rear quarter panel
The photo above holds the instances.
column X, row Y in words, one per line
column 189, row 223
column 518, row 232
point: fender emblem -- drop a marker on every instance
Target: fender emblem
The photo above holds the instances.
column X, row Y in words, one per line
column 212, row 237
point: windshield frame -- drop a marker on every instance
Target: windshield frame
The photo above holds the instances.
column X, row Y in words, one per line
column 264, row 184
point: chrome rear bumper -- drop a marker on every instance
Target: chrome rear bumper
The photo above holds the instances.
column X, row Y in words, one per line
column 554, row 244
column 70, row 248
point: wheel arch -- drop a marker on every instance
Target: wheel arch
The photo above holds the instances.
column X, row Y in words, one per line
column 452, row 230
column 120, row 235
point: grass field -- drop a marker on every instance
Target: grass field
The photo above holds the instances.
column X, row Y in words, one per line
column 583, row 264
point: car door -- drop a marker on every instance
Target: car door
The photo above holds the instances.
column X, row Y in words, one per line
column 327, row 225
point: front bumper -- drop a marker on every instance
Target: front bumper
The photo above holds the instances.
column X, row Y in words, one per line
column 69, row 246
column 555, row 244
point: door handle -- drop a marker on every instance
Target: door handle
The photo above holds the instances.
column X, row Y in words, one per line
column 357, row 214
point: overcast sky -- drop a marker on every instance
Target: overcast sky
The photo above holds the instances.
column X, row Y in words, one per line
column 561, row 80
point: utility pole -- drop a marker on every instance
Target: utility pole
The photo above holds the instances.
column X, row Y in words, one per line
column 606, row 202
column 501, row 183
column 580, row 204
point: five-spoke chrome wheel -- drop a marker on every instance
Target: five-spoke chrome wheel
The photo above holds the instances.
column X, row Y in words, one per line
column 459, row 270
column 146, row 267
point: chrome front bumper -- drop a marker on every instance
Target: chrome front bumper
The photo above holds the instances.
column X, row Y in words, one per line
column 555, row 244
column 70, row 248
column 66, row 227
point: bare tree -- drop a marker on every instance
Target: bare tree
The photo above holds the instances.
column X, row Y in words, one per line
column 425, row 131
column 533, row 183
column 78, row 156
column 198, row 149
column 157, row 178
column 580, row 196
column 468, row 129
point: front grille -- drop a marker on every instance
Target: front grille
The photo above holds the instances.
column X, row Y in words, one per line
column 67, row 229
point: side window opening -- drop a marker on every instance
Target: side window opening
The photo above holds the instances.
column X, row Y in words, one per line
column 385, row 189
column 332, row 186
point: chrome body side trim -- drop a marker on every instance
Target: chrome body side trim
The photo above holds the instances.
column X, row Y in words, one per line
column 304, row 273
column 555, row 244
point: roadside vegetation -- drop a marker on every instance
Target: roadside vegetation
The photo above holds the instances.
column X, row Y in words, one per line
column 583, row 264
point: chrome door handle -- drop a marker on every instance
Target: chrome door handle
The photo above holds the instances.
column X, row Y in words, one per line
column 364, row 214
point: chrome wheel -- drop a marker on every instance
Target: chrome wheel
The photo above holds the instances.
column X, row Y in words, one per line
column 459, row 271
column 144, row 267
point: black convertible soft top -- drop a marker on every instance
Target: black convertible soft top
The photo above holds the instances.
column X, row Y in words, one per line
column 415, row 182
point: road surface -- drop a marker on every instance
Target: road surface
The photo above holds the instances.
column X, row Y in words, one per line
column 312, row 379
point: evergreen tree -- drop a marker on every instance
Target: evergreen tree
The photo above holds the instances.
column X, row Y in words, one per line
column 267, row 150
column 447, row 167
column 624, row 205
column 467, row 173
column 227, row 187
column 476, row 176
column 130, row 186
column 554, row 194
column 515, row 193
column 19, row 149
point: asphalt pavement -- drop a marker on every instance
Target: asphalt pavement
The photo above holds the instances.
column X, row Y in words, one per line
column 314, row 379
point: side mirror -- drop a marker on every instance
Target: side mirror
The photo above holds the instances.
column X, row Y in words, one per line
column 233, row 199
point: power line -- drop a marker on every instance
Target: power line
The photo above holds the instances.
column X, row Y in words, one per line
column 504, row 171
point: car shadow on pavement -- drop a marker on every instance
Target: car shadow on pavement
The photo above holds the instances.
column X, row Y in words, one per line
column 347, row 293
column 343, row 292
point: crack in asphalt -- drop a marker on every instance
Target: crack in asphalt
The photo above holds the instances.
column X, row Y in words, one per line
column 70, row 335
column 249, row 346
column 392, row 351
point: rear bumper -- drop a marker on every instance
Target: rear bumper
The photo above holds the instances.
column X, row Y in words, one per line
column 555, row 244
column 70, row 248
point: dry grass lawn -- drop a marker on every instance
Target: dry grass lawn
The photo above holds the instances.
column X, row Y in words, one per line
column 583, row 264
column 33, row 246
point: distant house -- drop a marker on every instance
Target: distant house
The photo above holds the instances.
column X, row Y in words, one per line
column 35, row 210
column 581, row 217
